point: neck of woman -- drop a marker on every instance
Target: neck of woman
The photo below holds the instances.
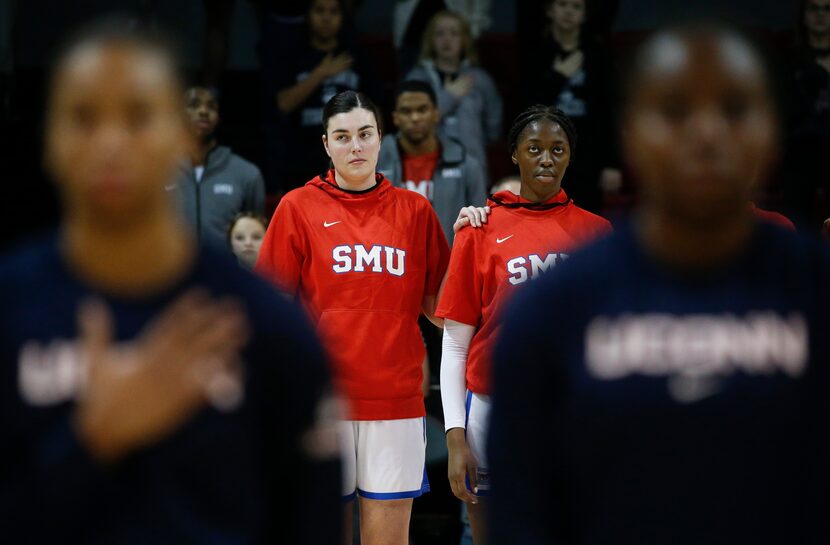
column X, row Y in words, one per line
column 447, row 64
column 148, row 256
column 567, row 38
column 691, row 247
column 324, row 44
column 354, row 185
column 819, row 40
column 528, row 194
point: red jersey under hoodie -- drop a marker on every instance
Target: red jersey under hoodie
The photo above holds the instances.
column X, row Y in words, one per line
column 520, row 241
column 362, row 262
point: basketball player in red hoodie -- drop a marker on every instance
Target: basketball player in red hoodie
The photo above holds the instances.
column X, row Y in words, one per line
column 366, row 258
column 524, row 236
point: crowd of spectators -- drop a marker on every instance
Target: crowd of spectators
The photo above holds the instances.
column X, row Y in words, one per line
column 310, row 50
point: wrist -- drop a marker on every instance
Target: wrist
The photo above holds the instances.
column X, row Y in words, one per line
column 104, row 447
column 456, row 436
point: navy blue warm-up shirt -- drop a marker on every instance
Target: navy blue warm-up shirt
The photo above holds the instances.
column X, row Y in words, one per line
column 243, row 471
column 637, row 404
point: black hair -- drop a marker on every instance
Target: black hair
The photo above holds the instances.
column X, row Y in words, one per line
column 347, row 101
column 537, row 113
column 123, row 30
column 416, row 86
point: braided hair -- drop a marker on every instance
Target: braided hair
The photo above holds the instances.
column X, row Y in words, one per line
column 537, row 113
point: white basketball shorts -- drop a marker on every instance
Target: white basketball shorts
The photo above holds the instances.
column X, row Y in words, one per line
column 384, row 459
column 477, row 422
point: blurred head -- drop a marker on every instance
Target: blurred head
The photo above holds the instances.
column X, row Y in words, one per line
column 816, row 16
column 512, row 184
column 542, row 141
column 416, row 111
column 202, row 108
column 245, row 234
column 448, row 36
column 566, row 15
column 698, row 124
column 325, row 17
column 352, row 135
column 114, row 129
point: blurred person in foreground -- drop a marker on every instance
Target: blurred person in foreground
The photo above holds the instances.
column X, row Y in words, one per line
column 668, row 384
column 214, row 183
column 146, row 383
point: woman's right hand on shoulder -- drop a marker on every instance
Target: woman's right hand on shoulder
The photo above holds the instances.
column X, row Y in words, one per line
column 471, row 215
column 460, row 465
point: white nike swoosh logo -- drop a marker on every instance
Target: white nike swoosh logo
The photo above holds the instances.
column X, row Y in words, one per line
column 500, row 240
column 327, row 224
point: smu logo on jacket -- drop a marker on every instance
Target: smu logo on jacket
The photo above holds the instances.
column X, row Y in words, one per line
column 521, row 269
column 375, row 259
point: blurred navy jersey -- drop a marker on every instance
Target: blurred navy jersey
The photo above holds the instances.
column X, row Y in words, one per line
column 635, row 404
column 216, row 480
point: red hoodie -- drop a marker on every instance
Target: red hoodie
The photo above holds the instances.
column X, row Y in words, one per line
column 362, row 263
column 516, row 245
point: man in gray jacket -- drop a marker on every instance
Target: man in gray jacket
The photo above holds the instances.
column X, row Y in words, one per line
column 214, row 184
column 418, row 159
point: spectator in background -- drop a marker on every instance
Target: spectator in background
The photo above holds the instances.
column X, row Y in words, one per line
column 572, row 72
column 809, row 127
column 512, row 184
column 435, row 166
column 299, row 80
column 470, row 105
column 245, row 234
column 409, row 22
column 214, row 183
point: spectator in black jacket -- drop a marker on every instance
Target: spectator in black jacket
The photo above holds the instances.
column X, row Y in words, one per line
column 299, row 79
column 572, row 72
column 808, row 184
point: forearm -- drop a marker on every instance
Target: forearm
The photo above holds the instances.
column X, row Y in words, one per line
column 289, row 99
column 455, row 346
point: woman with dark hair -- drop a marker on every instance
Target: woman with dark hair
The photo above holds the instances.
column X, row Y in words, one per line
column 367, row 259
column 470, row 104
column 572, row 72
column 299, row 79
column 809, row 115
column 525, row 235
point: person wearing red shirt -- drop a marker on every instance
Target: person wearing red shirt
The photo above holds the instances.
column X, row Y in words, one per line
column 366, row 258
column 525, row 235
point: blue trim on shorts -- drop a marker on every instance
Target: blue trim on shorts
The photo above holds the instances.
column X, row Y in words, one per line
column 467, row 406
column 389, row 495
column 398, row 495
column 349, row 498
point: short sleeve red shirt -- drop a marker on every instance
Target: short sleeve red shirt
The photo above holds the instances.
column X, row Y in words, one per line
column 487, row 264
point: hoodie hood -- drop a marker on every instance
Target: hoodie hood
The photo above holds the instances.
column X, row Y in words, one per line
column 326, row 182
column 511, row 200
